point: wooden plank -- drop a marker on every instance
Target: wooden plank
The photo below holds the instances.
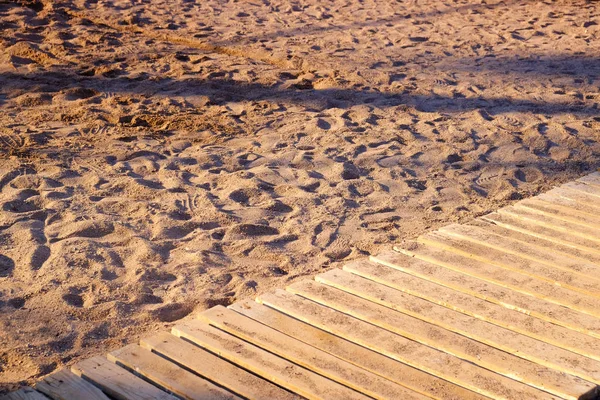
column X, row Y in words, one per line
column 167, row 375
column 430, row 360
column 496, row 314
column 554, row 223
column 25, row 393
column 275, row 369
column 213, row 368
column 559, row 211
column 506, row 278
column 557, row 275
column 491, row 292
column 483, row 352
column 539, row 230
column 584, row 188
column 306, row 356
column 592, row 179
column 377, row 299
column 584, row 199
column 572, row 199
column 508, row 242
column 537, row 245
column 392, row 370
column 64, row 385
column 116, row 381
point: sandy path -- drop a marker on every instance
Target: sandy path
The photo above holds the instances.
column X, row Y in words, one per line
column 142, row 179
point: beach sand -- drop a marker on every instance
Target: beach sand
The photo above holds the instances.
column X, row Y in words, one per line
column 161, row 157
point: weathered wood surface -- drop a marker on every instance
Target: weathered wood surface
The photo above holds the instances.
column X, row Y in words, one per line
column 505, row 307
column 25, row 393
column 496, row 314
column 377, row 363
column 116, row 381
column 168, row 375
column 214, row 368
column 306, row 356
column 263, row 363
column 426, row 358
column 64, row 385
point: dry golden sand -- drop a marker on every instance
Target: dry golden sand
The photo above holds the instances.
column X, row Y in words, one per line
column 161, row 157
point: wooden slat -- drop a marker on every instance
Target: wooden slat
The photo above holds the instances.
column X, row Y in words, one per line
column 306, row 356
column 592, row 179
column 167, row 375
column 64, row 385
column 591, row 190
column 395, row 371
column 507, row 278
column 562, row 276
column 214, row 368
column 441, row 364
column 25, row 393
column 116, row 381
column 483, row 352
column 509, row 243
column 575, row 195
column 568, row 339
column 264, row 364
column 535, row 246
column 376, row 299
column 530, row 227
column 490, row 292
column 554, row 223
column 572, row 199
column 559, row 211
column 584, row 199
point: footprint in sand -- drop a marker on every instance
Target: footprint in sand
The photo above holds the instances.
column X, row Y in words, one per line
column 489, row 175
column 19, row 206
column 528, row 175
column 7, row 266
column 172, row 312
column 242, row 231
column 73, row 299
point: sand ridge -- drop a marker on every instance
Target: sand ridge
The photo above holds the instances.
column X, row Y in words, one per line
column 143, row 177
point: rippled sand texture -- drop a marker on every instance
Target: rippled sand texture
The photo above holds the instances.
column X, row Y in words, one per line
column 160, row 157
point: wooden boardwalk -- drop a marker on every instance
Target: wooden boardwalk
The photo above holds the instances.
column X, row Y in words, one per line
column 505, row 307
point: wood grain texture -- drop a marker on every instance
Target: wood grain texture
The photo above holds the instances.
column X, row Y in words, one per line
column 25, row 393
column 117, row 382
column 64, row 385
column 506, row 242
column 263, row 363
column 510, row 279
column 392, row 370
column 306, row 356
column 534, row 243
column 553, row 222
column 569, row 214
column 587, row 187
column 565, row 275
column 526, row 357
column 582, row 199
column 592, row 179
column 214, row 368
column 424, row 323
column 491, row 292
column 514, row 320
column 572, row 199
column 167, row 375
column 435, row 362
column 533, row 228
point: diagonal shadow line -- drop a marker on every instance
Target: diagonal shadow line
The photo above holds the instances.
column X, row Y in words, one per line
column 221, row 91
